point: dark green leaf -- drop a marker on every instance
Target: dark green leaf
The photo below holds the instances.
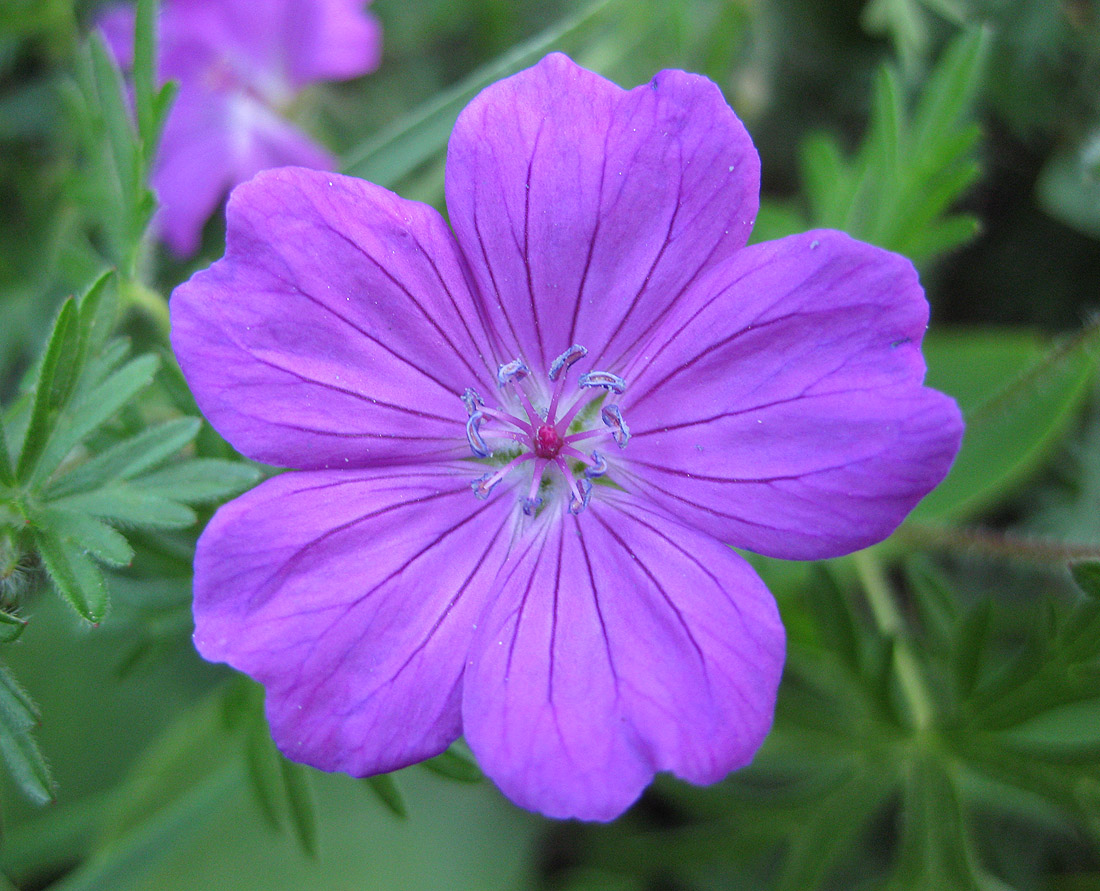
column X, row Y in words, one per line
column 303, row 814
column 11, row 627
column 127, row 459
column 934, row 849
column 835, row 621
column 126, row 503
column 264, row 771
column 18, row 716
column 200, row 480
column 1087, row 576
column 74, row 574
column 454, row 765
column 385, row 788
column 416, row 138
column 59, row 355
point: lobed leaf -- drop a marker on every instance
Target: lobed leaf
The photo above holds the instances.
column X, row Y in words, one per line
column 84, row 532
column 11, row 627
column 126, row 503
column 454, row 765
column 51, row 387
column 74, row 574
column 200, row 480
column 128, row 458
column 91, row 409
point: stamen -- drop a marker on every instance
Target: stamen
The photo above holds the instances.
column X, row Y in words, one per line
column 533, row 500
column 566, row 359
column 606, row 379
column 613, row 417
column 472, row 400
column 599, row 466
column 582, row 494
column 473, row 436
column 513, row 371
column 484, row 484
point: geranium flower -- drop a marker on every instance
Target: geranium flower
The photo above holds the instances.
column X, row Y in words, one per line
column 239, row 64
column 522, row 446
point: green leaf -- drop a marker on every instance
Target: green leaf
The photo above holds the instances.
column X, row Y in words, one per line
column 84, row 532
column 454, row 765
column 1087, row 576
column 98, row 313
column 145, row 72
column 385, row 788
column 200, row 480
column 11, row 627
column 126, row 503
column 7, row 472
column 92, row 408
column 74, row 574
column 303, row 813
column 264, row 770
column 18, row 716
column 51, row 387
column 934, row 848
column 1012, row 426
column 411, row 141
column 128, row 458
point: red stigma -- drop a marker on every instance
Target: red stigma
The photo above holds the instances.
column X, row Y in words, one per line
column 547, row 442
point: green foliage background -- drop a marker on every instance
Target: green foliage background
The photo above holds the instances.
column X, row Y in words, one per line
column 939, row 720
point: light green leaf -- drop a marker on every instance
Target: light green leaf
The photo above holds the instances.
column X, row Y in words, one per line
column 85, row 533
column 128, row 458
column 51, row 387
column 74, row 574
column 92, row 408
column 98, row 313
column 126, row 503
column 1012, row 419
column 16, row 707
column 200, row 480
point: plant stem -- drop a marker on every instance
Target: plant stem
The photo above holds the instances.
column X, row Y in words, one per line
column 891, row 625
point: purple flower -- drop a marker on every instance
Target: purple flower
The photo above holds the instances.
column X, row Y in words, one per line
column 522, row 445
column 239, row 63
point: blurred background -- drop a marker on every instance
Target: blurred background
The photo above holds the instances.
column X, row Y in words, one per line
column 962, row 133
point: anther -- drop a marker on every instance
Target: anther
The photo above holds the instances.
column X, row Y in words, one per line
column 582, row 494
column 530, row 505
column 610, row 382
column 613, row 417
column 472, row 400
column 599, row 466
column 473, row 436
column 562, row 363
column 483, row 485
column 513, row 371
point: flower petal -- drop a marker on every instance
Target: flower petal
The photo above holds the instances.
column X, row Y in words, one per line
column 618, row 644
column 785, row 412
column 585, row 210
column 352, row 597
column 338, row 330
column 331, row 40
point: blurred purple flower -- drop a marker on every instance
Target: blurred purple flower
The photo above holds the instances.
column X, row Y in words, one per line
column 239, row 63
column 636, row 386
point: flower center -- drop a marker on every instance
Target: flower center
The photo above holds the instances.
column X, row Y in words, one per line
column 546, row 437
column 547, row 442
